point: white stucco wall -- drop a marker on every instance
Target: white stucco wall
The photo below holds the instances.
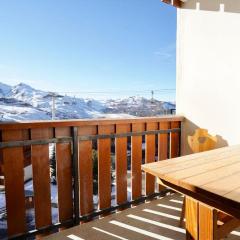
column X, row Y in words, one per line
column 208, row 69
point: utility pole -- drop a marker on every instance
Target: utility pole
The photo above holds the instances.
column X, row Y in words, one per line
column 152, row 92
column 53, row 105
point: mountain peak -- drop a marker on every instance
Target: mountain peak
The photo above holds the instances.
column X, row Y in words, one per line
column 23, row 85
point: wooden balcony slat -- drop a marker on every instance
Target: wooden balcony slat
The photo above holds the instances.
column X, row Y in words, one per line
column 121, row 164
column 136, row 161
column 175, row 141
column 41, row 178
column 150, row 157
column 163, row 145
column 13, row 161
column 26, row 149
column 64, row 175
column 104, row 167
column 163, row 142
column 85, row 170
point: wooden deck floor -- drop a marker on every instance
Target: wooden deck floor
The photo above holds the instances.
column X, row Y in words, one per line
column 157, row 219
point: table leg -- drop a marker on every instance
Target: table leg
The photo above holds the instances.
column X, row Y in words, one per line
column 207, row 222
column 191, row 215
column 201, row 221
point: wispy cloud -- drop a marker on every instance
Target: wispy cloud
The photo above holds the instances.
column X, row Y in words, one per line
column 167, row 52
column 163, row 54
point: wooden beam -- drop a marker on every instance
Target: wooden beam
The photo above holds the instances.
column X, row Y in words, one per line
column 175, row 3
column 85, row 122
column 227, row 227
column 166, row 1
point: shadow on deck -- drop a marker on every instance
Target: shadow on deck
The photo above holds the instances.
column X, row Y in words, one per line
column 157, row 219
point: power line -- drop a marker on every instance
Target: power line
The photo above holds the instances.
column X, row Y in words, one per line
column 121, row 91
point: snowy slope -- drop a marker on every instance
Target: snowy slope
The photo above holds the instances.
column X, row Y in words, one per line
column 22, row 102
column 139, row 106
column 4, row 89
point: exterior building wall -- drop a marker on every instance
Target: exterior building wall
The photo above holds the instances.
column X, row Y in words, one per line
column 208, row 69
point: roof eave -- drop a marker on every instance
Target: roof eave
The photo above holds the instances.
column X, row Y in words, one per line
column 175, row 3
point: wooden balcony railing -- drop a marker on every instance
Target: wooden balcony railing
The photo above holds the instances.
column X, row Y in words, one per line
column 28, row 142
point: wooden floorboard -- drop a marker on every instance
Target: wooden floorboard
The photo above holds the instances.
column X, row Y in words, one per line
column 157, row 219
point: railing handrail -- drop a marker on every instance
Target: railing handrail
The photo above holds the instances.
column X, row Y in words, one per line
column 85, row 122
column 24, row 143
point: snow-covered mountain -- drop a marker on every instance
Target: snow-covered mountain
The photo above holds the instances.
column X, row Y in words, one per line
column 22, row 102
column 4, row 89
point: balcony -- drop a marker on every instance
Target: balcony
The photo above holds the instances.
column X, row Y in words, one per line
column 124, row 202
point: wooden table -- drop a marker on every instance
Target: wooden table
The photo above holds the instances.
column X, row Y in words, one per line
column 211, row 183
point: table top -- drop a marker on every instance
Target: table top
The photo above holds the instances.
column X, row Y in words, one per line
column 212, row 177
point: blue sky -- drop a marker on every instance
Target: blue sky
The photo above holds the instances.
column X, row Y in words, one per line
column 124, row 46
